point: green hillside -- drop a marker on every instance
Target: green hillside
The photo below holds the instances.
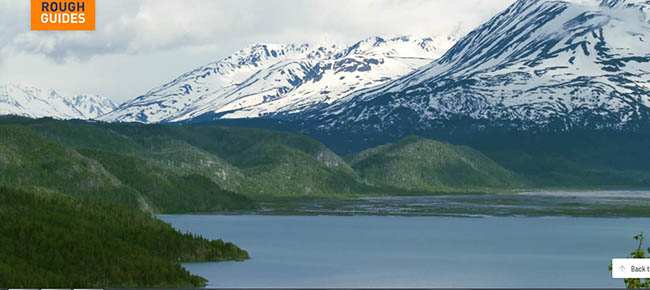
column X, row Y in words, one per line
column 141, row 178
column 173, row 154
column 29, row 160
column 275, row 164
column 78, row 134
column 51, row 240
column 184, row 159
column 189, row 168
column 254, row 162
column 165, row 189
column 418, row 164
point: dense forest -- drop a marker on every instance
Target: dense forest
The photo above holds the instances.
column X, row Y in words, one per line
column 146, row 178
column 232, row 168
column 52, row 240
column 207, row 168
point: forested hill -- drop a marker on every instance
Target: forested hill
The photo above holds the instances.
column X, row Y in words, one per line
column 180, row 168
column 52, row 240
column 207, row 168
column 51, row 156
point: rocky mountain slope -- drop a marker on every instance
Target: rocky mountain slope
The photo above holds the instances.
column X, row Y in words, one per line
column 539, row 63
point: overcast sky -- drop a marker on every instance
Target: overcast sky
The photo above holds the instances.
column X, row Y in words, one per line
column 141, row 44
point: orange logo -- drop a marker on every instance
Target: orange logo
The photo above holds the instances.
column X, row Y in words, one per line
column 63, row 15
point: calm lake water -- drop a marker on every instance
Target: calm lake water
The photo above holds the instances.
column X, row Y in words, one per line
column 399, row 251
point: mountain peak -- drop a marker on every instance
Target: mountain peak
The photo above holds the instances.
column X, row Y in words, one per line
column 261, row 53
column 402, row 46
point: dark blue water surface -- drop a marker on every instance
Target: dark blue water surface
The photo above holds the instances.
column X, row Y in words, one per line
column 393, row 251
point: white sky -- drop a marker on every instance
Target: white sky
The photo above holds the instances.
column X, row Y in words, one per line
column 141, row 44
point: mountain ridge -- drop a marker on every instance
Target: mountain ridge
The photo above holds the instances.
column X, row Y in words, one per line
column 539, row 65
column 31, row 101
column 266, row 79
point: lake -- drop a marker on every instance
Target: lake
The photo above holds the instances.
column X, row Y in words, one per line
column 425, row 251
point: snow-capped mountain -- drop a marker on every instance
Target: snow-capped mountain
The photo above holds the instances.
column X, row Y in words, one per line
column 275, row 79
column 573, row 63
column 34, row 102
column 91, row 106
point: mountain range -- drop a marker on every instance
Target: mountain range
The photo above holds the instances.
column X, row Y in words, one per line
column 539, row 63
column 35, row 102
column 555, row 65
column 270, row 79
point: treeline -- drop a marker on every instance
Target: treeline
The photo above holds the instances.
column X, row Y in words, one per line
column 52, row 240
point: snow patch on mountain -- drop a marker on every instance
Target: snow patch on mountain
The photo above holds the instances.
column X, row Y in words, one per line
column 271, row 79
column 583, row 62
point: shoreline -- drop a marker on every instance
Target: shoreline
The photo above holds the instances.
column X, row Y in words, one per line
column 595, row 204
